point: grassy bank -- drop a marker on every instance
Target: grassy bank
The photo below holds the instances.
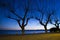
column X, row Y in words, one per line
column 52, row 36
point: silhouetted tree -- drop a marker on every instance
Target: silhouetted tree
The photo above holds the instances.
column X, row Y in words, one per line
column 56, row 23
column 43, row 15
column 46, row 21
column 24, row 19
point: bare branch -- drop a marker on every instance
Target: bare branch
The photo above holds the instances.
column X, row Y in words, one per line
column 11, row 18
column 13, row 12
column 19, row 23
column 27, row 20
column 55, row 22
column 49, row 16
column 51, row 22
column 48, row 19
column 41, row 23
column 26, row 13
column 26, row 9
column 37, row 19
column 15, row 19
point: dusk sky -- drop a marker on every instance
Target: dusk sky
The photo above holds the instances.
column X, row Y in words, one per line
column 18, row 5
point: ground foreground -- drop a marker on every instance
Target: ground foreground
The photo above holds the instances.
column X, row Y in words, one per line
column 52, row 36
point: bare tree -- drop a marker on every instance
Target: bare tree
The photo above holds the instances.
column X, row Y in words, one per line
column 42, row 19
column 24, row 19
column 46, row 21
column 55, row 22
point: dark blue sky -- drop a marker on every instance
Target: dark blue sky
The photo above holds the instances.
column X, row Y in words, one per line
column 18, row 6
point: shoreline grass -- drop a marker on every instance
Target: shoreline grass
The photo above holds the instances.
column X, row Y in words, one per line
column 48, row 36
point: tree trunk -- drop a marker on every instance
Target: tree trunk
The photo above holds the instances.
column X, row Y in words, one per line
column 22, row 30
column 57, row 27
column 45, row 28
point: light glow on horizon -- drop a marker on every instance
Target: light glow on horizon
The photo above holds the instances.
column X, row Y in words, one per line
column 32, row 25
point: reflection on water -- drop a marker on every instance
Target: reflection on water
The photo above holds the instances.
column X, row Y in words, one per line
column 19, row 31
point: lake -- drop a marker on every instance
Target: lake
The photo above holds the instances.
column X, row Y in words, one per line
column 3, row 32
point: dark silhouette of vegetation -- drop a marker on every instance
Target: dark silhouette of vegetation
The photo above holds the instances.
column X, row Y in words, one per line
column 46, row 21
column 56, row 23
column 48, row 14
column 54, row 30
column 24, row 19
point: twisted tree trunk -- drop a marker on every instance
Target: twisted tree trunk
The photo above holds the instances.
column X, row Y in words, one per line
column 45, row 28
column 22, row 30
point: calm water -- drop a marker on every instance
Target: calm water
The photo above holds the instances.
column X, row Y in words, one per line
column 19, row 31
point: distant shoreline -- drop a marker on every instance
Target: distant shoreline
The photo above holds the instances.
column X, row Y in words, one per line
column 27, row 34
column 18, row 32
column 25, row 30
